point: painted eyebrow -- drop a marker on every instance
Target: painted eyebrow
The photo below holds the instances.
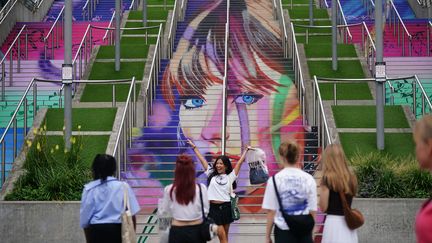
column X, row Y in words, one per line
column 183, row 98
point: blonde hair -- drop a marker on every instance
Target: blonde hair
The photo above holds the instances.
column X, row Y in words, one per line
column 289, row 150
column 423, row 128
column 336, row 174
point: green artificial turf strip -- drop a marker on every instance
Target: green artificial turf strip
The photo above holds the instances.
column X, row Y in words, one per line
column 287, row 2
column 352, row 91
column 141, row 32
column 106, row 71
column 325, row 50
column 302, row 12
column 365, row 116
column 126, row 51
column 90, row 119
column 103, row 92
column 316, row 22
column 395, row 144
column 137, row 40
column 92, row 145
column 317, row 39
column 160, row 2
column 152, row 14
column 346, row 69
column 326, row 30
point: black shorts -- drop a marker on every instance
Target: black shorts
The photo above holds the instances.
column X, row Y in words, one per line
column 221, row 213
column 185, row 234
column 105, row 233
column 283, row 236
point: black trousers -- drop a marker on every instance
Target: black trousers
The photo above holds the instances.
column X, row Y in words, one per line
column 284, row 236
column 185, row 234
column 105, row 233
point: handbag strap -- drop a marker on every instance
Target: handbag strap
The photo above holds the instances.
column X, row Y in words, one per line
column 277, row 194
column 126, row 204
column 231, row 192
column 202, row 202
column 344, row 201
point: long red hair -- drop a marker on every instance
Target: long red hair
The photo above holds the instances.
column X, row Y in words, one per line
column 184, row 180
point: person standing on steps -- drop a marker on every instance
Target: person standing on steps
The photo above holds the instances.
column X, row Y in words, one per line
column 297, row 193
column 423, row 139
column 102, row 203
column 336, row 177
column 182, row 200
column 221, row 177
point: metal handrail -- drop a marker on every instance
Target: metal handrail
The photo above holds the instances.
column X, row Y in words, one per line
column 417, row 83
column 370, row 52
column 133, row 5
column 225, row 79
column 344, row 22
column 326, row 27
column 9, row 52
column 90, row 8
column 370, row 6
column 174, row 18
column 150, row 90
column 280, row 15
column 23, row 104
column 110, row 40
column 183, row 9
column 7, row 8
column 45, row 40
column 425, row 100
column 405, row 30
column 80, row 52
column 429, row 28
column 124, row 134
column 324, row 137
column 298, row 74
column 40, row 4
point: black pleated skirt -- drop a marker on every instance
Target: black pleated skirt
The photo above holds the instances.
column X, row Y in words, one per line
column 221, row 213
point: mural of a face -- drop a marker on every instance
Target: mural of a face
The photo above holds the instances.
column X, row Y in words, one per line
column 261, row 105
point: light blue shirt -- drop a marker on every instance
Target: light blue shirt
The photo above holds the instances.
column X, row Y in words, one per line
column 103, row 203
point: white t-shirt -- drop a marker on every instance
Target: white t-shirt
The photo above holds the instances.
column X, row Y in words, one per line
column 297, row 190
column 219, row 187
column 189, row 212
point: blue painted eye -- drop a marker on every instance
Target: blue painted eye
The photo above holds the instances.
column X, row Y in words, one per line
column 247, row 99
column 193, row 103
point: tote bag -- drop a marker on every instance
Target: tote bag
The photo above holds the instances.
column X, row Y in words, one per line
column 164, row 223
column 235, row 211
column 258, row 172
column 127, row 226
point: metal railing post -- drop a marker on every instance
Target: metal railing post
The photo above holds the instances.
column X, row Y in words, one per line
column 34, row 99
column 19, row 55
column 414, row 98
column 3, row 80
column 15, row 139
column 26, row 45
column 3, row 163
column 334, row 94
column 11, row 69
column 25, row 117
column 113, row 96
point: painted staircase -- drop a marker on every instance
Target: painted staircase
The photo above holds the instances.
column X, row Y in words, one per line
column 262, row 107
column 407, row 66
column 37, row 66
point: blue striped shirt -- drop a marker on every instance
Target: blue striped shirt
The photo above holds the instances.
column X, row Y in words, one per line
column 102, row 203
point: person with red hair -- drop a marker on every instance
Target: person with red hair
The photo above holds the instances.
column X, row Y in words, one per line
column 182, row 200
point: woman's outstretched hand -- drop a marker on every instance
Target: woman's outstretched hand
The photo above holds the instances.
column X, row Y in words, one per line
column 193, row 146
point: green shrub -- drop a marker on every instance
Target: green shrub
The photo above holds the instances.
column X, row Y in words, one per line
column 52, row 173
column 383, row 176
